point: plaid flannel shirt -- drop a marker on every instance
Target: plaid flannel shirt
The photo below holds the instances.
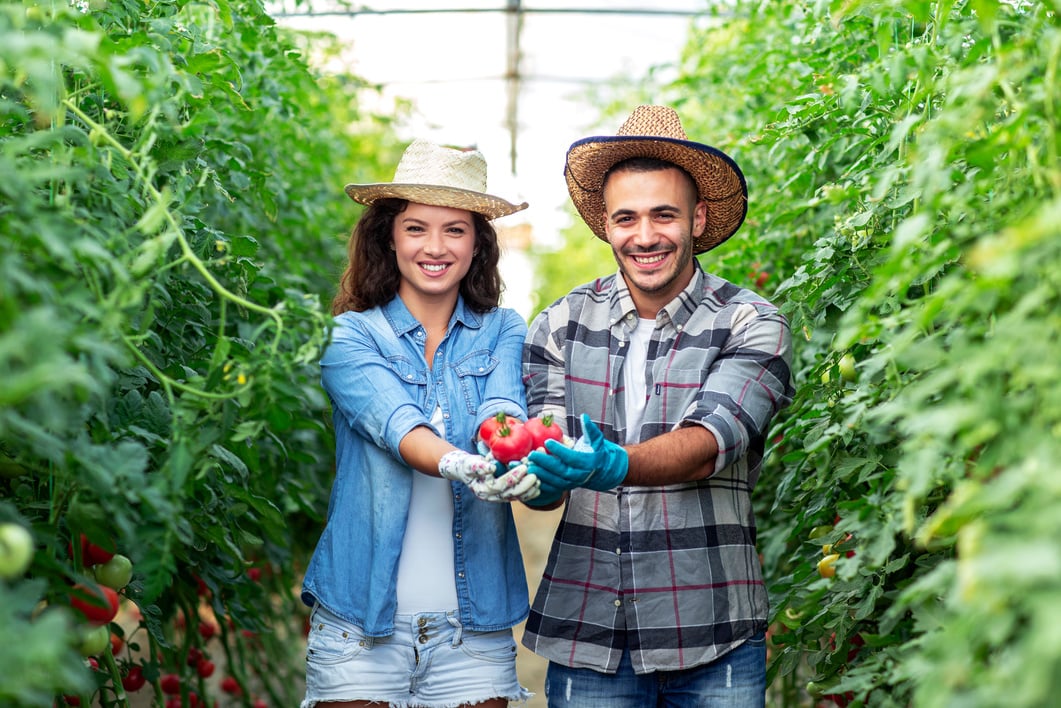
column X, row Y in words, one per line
column 670, row 572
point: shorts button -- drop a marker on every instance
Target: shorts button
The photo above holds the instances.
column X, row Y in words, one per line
column 422, row 639
column 345, row 635
column 422, row 622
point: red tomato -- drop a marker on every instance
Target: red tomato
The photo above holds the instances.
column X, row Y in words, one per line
column 542, row 429
column 207, row 630
column 230, row 685
column 490, row 426
column 511, row 443
column 134, row 680
column 171, row 684
column 205, row 668
column 101, row 608
column 91, row 554
column 195, row 655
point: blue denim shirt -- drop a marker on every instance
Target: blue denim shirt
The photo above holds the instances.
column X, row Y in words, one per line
column 376, row 375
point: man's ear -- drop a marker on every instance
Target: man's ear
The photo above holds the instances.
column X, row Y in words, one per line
column 699, row 219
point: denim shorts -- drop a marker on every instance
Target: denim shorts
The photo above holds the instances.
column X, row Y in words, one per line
column 430, row 661
column 737, row 679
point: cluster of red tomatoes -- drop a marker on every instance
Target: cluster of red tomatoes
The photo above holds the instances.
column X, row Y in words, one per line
column 510, row 439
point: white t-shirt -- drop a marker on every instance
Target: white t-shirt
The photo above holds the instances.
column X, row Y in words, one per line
column 425, row 567
column 634, row 377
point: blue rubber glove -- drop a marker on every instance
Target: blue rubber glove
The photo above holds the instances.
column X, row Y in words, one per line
column 548, row 494
column 593, row 463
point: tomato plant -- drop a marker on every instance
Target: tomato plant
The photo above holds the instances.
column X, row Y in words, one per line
column 158, row 342
column 910, row 246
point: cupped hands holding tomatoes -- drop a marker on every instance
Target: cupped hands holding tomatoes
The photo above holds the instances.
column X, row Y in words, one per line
column 509, row 440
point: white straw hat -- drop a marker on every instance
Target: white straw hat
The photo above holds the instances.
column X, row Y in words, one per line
column 439, row 176
column 656, row 131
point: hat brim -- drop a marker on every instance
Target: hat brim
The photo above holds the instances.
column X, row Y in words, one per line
column 719, row 181
column 486, row 204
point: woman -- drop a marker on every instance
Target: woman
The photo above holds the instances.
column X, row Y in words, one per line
column 418, row 579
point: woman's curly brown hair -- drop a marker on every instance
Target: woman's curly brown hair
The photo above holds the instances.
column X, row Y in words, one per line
column 371, row 277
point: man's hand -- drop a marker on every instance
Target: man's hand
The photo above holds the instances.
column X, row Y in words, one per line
column 477, row 473
column 593, row 463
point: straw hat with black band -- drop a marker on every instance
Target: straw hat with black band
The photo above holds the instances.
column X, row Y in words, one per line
column 656, row 131
column 439, row 176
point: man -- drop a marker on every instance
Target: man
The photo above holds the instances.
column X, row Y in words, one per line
column 653, row 592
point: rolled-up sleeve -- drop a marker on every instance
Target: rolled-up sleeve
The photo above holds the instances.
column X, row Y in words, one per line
column 747, row 384
column 503, row 392
column 544, row 366
column 364, row 386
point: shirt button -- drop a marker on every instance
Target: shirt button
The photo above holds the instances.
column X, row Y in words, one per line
column 618, row 551
column 458, row 534
column 679, row 328
column 618, row 602
column 460, row 574
column 481, row 369
column 622, row 344
column 408, row 376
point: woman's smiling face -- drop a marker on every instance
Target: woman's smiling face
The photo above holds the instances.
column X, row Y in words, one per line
column 434, row 246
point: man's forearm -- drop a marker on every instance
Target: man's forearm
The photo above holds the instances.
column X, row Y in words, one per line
column 682, row 455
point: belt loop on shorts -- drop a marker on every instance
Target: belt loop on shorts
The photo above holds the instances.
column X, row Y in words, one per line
column 456, row 624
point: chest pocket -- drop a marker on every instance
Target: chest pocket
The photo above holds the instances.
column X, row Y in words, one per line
column 413, row 375
column 472, row 372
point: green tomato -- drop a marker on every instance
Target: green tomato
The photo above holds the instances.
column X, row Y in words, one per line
column 95, row 640
column 819, row 531
column 847, row 367
column 115, row 573
column 16, row 550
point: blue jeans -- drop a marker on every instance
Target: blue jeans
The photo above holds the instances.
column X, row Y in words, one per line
column 735, row 680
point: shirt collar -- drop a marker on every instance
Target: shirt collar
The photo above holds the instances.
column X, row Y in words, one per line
column 677, row 311
column 403, row 322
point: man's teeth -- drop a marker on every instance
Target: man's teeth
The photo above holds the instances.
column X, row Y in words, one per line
column 647, row 260
column 434, row 268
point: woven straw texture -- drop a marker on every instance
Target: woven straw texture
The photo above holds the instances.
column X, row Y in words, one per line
column 656, row 131
column 439, row 176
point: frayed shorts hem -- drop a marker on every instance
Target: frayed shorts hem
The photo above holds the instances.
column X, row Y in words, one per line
column 517, row 700
column 430, row 661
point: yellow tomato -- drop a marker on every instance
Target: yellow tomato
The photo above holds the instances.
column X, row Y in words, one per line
column 827, row 565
